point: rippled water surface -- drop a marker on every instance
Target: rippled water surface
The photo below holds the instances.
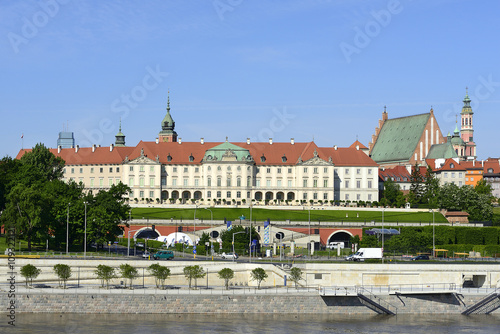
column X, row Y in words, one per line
column 238, row 323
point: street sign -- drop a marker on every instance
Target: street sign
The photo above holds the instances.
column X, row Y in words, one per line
column 194, row 251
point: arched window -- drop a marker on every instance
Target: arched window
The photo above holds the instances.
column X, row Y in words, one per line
column 209, row 182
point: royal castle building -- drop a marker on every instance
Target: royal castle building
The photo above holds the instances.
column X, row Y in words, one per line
column 169, row 170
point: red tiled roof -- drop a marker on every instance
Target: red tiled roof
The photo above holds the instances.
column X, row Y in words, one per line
column 180, row 153
column 447, row 166
column 346, row 156
column 358, row 143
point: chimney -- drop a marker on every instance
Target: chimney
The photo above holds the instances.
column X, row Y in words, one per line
column 482, row 163
column 93, row 148
column 111, row 147
column 202, row 141
column 270, row 141
column 292, row 141
column 248, row 141
column 473, row 163
column 59, row 149
column 77, row 147
column 180, row 141
column 335, row 147
column 357, row 147
column 157, row 140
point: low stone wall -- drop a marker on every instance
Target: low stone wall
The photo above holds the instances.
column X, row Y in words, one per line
column 226, row 304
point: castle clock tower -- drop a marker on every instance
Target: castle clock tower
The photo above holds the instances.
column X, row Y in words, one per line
column 167, row 133
column 467, row 129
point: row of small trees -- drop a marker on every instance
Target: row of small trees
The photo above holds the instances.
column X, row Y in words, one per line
column 160, row 273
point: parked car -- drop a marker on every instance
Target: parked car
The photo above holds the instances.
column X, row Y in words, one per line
column 349, row 257
column 229, row 255
column 420, row 257
column 163, row 254
column 146, row 254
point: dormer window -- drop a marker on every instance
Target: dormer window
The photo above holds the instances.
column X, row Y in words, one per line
column 490, row 170
column 169, row 157
column 263, row 158
column 452, row 165
column 283, row 158
column 191, row 158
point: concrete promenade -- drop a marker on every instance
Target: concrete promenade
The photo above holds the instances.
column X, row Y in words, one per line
column 411, row 288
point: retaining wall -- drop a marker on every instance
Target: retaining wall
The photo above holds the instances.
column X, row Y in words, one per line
column 226, row 304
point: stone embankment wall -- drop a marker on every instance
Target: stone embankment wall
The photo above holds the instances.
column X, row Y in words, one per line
column 226, row 304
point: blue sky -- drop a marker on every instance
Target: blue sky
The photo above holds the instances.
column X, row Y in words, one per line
column 244, row 68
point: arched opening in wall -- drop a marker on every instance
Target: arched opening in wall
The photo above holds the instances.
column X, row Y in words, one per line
column 290, row 196
column 164, row 195
column 269, row 195
column 197, row 194
column 340, row 236
column 280, row 196
column 175, row 194
column 146, row 233
column 258, row 196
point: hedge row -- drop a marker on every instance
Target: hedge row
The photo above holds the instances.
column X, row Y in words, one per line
column 453, row 235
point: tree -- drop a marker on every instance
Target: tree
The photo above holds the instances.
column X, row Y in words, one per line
column 29, row 272
column 391, row 191
column 431, row 188
column 194, row 272
column 296, row 275
column 483, row 187
column 8, row 170
column 465, row 198
column 105, row 274
column 258, row 274
column 417, row 186
column 161, row 274
column 106, row 212
column 63, row 272
column 226, row 274
column 128, row 272
column 241, row 240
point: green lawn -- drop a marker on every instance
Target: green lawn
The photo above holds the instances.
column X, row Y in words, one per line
column 233, row 214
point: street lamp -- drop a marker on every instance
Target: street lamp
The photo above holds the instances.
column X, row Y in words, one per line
column 250, row 248
column 67, row 230
column 383, row 235
column 433, row 235
column 233, row 241
column 85, row 238
column 194, row 232
column 211, row 226
column 309, row 250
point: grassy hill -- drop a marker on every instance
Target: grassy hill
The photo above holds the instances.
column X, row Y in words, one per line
column 280, row 215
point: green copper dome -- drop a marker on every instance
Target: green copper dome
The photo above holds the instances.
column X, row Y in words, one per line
column 227, row 152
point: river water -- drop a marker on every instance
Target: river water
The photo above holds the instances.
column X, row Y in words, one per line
column 241, row 323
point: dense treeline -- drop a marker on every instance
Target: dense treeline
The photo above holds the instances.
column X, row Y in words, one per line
column 38, row 204
column 454, row 239
column 426, row 192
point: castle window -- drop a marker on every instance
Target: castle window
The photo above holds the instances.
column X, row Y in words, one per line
column 191, row 158
column 283, row 158
column 169, row 157
column 228, row 168
column 452, row 165
column 262, row 158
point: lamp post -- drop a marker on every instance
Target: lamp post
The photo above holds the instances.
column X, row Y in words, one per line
column 128, row 243
column 211, row 226
column 250, row 248
column 194, row 232
column 383, row 235
column 309, row 250
column 67, row 230
column 233, row 241
column 433, row 235
column 85, row 237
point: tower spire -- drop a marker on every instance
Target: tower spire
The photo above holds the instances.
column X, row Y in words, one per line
column 167, row 133
column 120, row 137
